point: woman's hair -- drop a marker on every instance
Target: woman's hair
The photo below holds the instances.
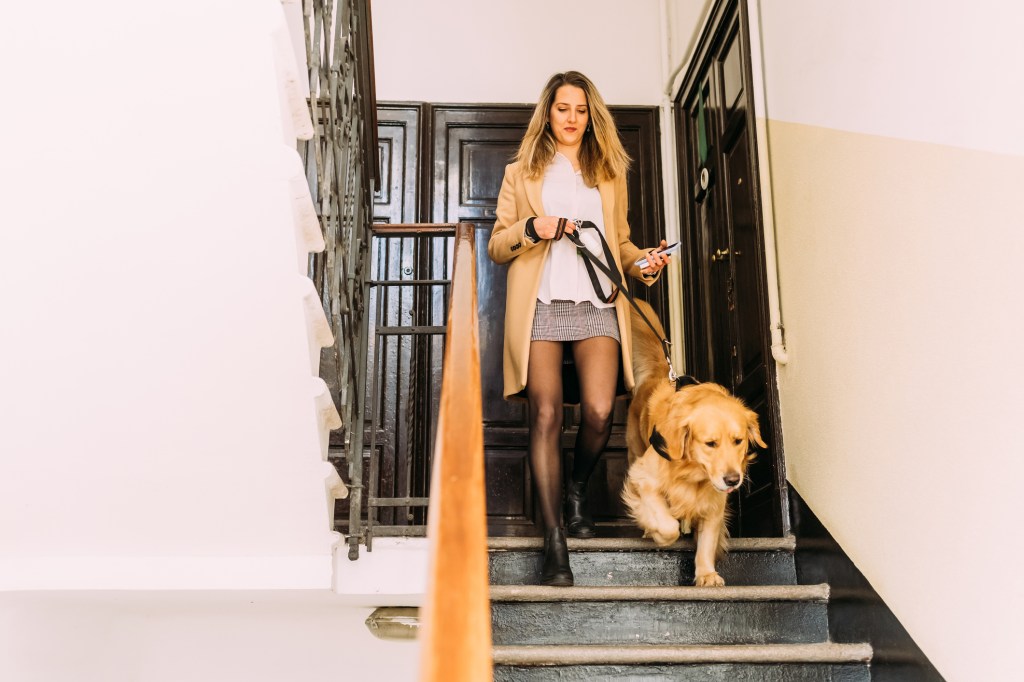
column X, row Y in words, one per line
column 602, row 156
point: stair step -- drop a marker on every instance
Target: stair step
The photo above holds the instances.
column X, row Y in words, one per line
column 638, row 561
column 624, row 544
column 742, row 663
column 541, row 593
column 535, row 615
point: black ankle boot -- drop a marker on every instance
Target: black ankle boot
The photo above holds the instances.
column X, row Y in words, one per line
column 556, row 569
column 577, row 512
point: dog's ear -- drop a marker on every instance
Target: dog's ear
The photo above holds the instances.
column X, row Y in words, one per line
column 658, row 443
column 685, row 380
column 753, row 430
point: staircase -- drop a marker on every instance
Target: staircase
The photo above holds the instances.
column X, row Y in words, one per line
column 634, row 615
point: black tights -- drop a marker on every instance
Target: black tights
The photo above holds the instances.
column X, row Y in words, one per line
column 597, row 365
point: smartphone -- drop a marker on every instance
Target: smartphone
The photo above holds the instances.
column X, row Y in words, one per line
column 671, row 248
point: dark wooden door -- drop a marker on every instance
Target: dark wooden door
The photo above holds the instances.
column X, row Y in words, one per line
column 397, row 199
column 471, row 146
column 726, row 324
column 399, row 468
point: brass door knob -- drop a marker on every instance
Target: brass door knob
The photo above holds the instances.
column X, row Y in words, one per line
column 723, row 254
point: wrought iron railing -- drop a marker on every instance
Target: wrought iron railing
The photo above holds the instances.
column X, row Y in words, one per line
column 407, row 296
column 341, row 167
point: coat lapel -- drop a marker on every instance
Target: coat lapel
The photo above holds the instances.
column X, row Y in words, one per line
column 533, row 195
column 606, row 189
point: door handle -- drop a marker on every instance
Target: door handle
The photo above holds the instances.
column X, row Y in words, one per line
column 723, row 254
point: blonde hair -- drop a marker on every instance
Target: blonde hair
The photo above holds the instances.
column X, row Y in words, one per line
column 601, row 156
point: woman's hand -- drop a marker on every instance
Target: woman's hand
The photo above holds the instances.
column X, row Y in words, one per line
column 656, row 261
column 547, row 226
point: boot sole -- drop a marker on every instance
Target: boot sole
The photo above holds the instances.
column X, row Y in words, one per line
column 558, row 581
column 584, row 533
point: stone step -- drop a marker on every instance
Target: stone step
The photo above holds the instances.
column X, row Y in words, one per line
column 746, row 663
column 638, row 561
column 630, row 615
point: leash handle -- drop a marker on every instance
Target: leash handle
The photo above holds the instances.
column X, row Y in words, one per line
column 616, row 278
column 666, row 347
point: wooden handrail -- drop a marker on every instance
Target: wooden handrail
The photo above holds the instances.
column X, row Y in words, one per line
column 456, row 619
column 414, row 229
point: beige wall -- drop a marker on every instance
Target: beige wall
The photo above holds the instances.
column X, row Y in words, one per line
column 894, row 158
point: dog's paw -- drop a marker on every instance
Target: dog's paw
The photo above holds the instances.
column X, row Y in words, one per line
column 709, row 580
column 663, row 537
column 684, row 527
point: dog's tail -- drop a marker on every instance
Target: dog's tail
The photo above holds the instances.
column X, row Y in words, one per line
column 648, row 356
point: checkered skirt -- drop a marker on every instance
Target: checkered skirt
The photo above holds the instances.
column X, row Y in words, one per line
column 570, row 321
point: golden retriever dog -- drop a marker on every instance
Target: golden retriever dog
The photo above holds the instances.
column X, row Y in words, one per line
column 688, row 449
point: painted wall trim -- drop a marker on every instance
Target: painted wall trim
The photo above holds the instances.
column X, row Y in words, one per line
column 771, row 257
column 670, row 196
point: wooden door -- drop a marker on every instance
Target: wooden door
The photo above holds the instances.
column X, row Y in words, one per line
column 471, row 146
column 726, row 322
column 400, row 470
column 397, row 198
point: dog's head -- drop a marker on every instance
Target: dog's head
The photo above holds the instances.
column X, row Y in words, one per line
column 711, row 429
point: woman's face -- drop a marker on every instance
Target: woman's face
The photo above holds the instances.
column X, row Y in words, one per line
column 569, row 115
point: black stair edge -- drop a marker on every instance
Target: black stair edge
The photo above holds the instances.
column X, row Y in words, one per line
column 518, row 544
column 747, row 593
column 595, row 654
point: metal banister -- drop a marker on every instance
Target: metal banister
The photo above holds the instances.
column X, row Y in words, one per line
column 341, row 169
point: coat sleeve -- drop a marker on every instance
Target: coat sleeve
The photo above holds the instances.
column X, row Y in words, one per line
column 508, row 238
column 629, row 252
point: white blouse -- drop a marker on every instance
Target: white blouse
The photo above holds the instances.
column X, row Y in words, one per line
column 565, row 277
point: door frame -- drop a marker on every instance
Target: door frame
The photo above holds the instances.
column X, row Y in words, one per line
column 713, row 33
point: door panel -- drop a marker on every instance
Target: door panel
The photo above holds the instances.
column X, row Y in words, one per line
column 639, row 131
column 471, row 146
column 405, row 369
column 398, row 137
column 728, row 339
column 475, row 146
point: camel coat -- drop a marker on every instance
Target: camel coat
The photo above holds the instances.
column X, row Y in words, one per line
column 519, row 200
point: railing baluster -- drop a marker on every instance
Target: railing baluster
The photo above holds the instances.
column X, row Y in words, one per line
column 341, row 162
column 405, row 309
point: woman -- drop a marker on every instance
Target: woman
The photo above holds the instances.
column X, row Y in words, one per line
column 570, row 165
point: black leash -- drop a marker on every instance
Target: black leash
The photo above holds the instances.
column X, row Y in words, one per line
column 591, row 261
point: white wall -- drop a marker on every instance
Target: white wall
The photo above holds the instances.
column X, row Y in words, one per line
column 895, row 156
column 504, row 52
column 196, row 636
column 157, row 408
column 685, row 21
column 163, row 510
column 914, row 70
